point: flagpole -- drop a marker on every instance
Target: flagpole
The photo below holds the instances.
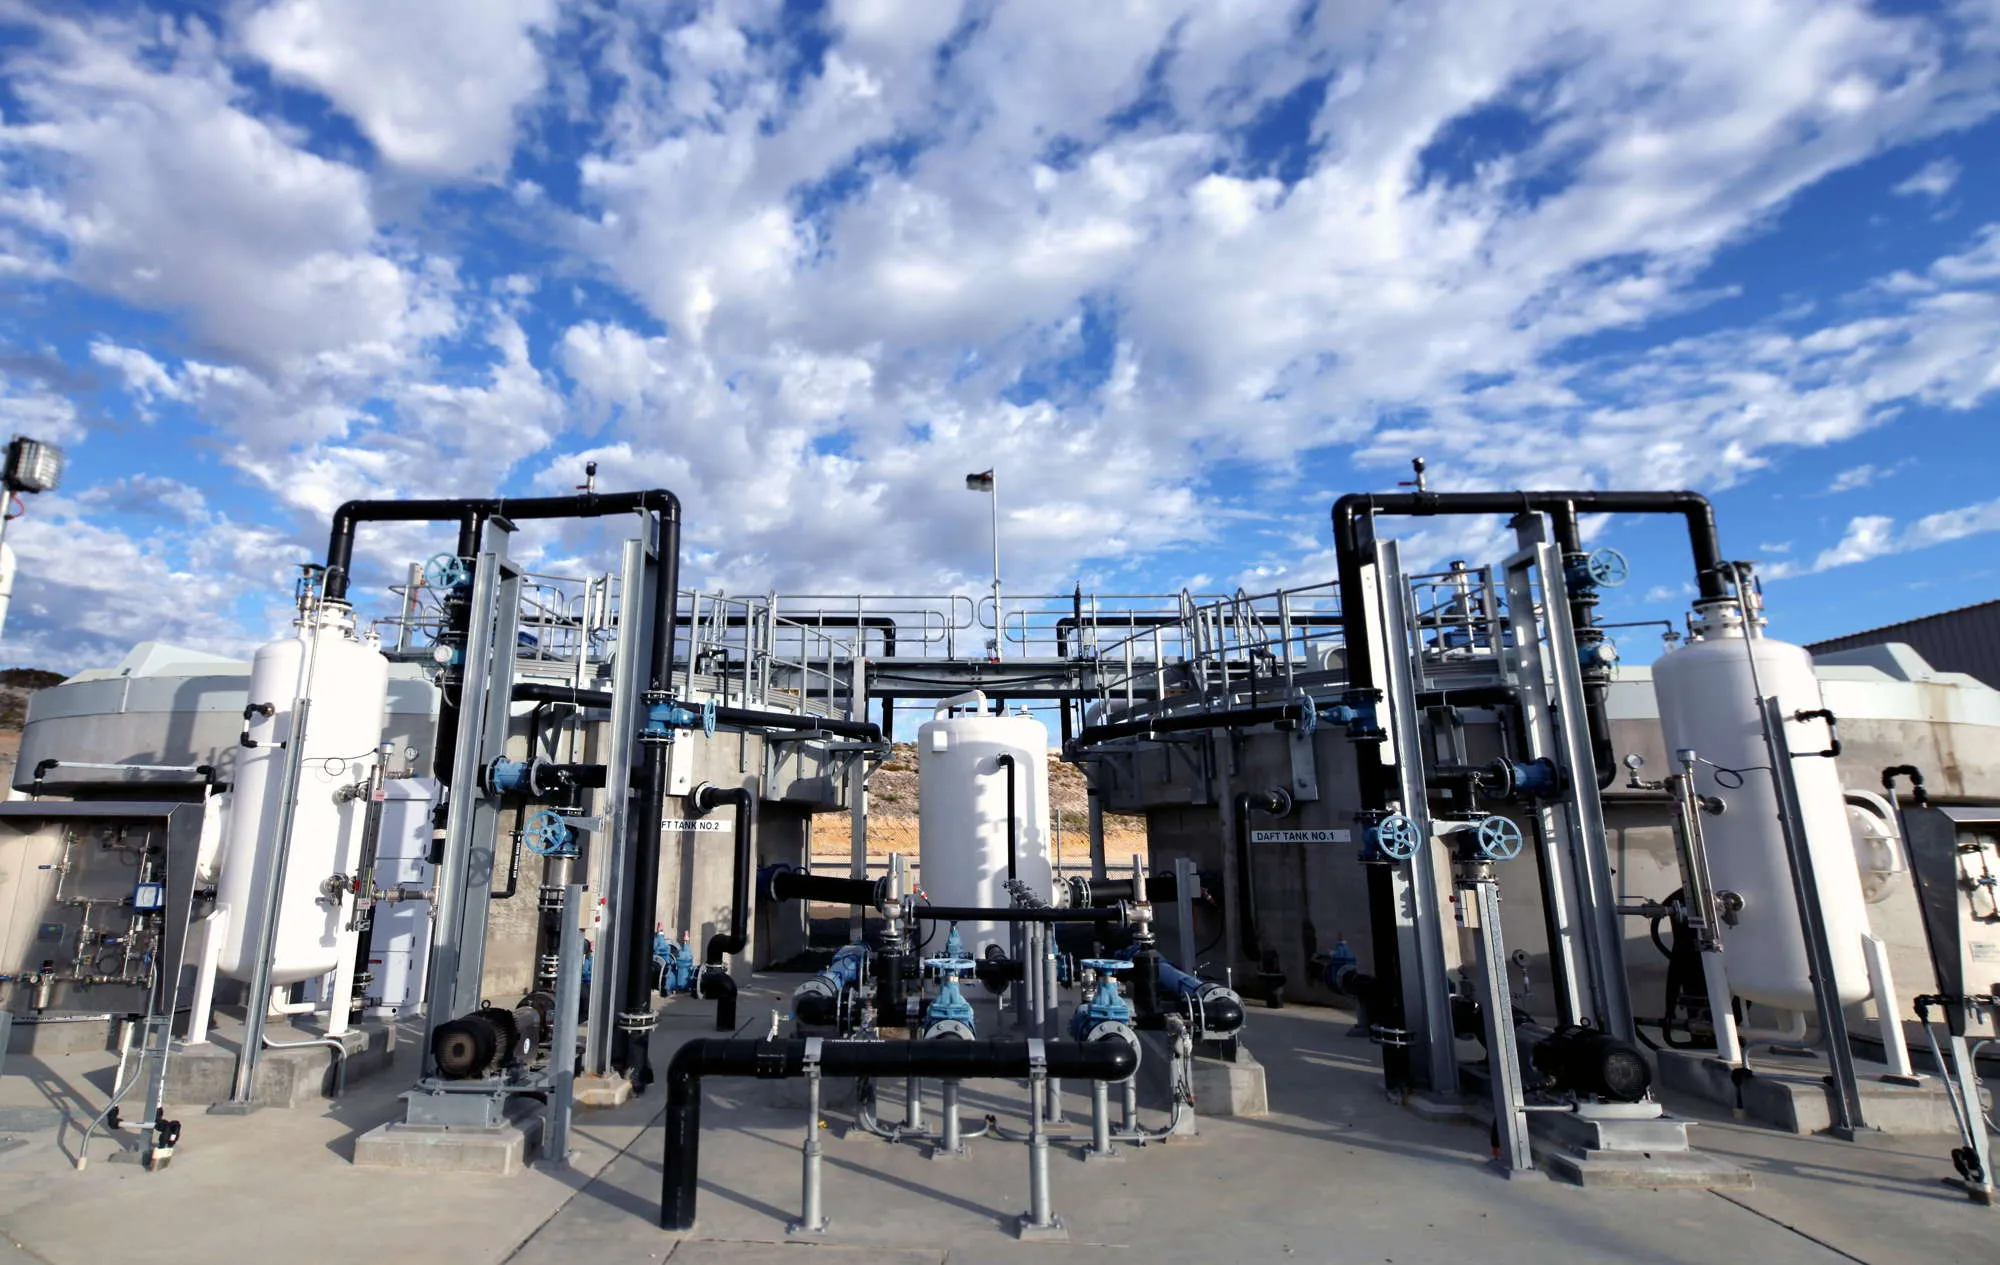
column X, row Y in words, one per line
column 999, row 624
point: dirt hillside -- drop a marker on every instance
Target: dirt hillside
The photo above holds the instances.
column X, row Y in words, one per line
column 892, row 815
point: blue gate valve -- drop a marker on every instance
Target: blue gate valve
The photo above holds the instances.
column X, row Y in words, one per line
column 675, row 963
column 950, row 1015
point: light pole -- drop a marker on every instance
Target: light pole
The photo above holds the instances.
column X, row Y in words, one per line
column 984, row 482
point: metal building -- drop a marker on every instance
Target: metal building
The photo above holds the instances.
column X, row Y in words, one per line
column 1963, row 640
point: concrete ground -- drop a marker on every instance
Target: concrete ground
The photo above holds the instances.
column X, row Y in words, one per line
column 1335, row 1174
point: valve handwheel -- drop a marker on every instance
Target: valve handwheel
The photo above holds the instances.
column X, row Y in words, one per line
column 1499, row 839
column 445, row 571
column 1608, row 568
column 1397, row 836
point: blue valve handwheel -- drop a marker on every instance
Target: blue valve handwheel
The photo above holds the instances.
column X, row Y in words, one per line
column 1500, row 839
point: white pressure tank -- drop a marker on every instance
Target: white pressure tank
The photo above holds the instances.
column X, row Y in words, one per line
column 347, row 682
column 962, row 811
column 1708, row 702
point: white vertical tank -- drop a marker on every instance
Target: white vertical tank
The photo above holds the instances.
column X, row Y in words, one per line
column 1708, row 702
column 962, row 810
column 348, row 683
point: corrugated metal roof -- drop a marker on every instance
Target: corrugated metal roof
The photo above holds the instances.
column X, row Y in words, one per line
column 1965, row 639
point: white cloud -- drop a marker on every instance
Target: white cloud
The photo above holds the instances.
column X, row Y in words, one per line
column 1872, row 536
column 859, row 267
column 435, row 84
column 1857, row 477
column 158, row 188
column 1933, row 180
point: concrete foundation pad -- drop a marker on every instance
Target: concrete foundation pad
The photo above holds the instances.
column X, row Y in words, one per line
column 1222, row 1087
column 500, row 1152
column 1790, row 1093
column 602, row 1093
column 205, row 1074
column 1428, row 1106
column 1665, row 1170
column 1054, row 1232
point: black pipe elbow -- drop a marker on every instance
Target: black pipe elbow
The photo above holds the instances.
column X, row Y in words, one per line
column 817, row 1010
column 1221, row 1016
column 717, row 984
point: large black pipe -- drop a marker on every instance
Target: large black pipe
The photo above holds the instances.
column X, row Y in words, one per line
column 729, row 717
column 799, row 885
column 1015, row 913
column 708, row 798
column 775, row 1060
column 471, row 513
column 1231, row 718
column 1005, row 760
column 1583, row 616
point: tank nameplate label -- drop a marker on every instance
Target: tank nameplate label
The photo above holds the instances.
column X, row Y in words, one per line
column 1985, row 951
column 706, row 825
column 1300, row 836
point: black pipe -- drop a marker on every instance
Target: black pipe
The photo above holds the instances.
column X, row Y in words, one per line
column 472, row 512
column 707, row 798
column 1014, row 913
column 646, row 829
column 1007, row 1058
column 1249, row 938
column 1231, row 718
column 1108, row 891
column 1005, row 760
column 730, row 717
column 890, row 993
column 799, row 885
column 1376, row 790
column 1583, row 623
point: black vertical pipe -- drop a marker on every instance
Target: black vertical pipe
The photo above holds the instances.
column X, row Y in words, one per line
column 646, row 833
column 1005, row 760
column 1582, row 617
column 721, row 945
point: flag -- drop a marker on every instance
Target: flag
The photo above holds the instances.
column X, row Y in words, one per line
column 979, row 482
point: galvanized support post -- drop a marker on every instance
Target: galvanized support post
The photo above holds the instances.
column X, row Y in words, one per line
column 1040, row 1221
column 637, row 575
column 562, row 1045
column 1965, row 1079
column 1128, row 1090
column 949, row 1145
column 1479, row 912
column 257, row 999
column 1427, row 1000
column 913, row 1104
column 1556, row 824
column 1846, row 1101
column 1101, row 1147
column 812, row 1219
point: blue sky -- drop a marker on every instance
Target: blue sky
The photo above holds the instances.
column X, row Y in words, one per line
column 1182, row 272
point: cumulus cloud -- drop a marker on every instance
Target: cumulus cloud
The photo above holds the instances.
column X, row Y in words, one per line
column 435, row 86
column 809, row 267
column 1932, row 180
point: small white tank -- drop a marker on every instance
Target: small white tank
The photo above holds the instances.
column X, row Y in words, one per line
column 348, row 686
column 1707, row 702
column 962, row 813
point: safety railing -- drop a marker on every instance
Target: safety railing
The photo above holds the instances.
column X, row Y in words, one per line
column 1222, row 647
